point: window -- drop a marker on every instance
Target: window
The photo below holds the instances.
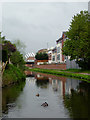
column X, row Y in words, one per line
column 58, row 57
column 53, row 58
column 58, row 49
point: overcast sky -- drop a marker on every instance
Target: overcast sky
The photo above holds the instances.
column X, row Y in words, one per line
column 37, row 24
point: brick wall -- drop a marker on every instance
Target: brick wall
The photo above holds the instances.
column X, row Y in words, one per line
column 31, row 58
column 52, row 66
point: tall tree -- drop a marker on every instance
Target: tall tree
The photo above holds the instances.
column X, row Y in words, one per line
column 20, row 46
column 17, row 59
column 78, row 43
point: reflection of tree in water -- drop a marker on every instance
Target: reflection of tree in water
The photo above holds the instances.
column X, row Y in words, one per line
column 42, row 82
column 10, row 94
column 78, row 102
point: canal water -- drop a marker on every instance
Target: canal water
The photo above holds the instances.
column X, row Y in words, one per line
column 66, row 98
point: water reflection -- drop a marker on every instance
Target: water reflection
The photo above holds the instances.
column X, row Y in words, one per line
column 67, row 97
column 29, row 73
column 9, row 95
column 77, row 101
column 76, row 94
column 42, row 81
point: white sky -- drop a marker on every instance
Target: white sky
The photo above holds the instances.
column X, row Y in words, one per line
column 36, row 23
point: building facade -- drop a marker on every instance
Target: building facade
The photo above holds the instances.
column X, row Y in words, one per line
column 30, row 59
column 54, row 55
column 59, row 45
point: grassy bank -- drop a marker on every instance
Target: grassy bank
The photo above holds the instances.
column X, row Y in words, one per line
column 12, row 75
column 77, row 71
column 63, row 73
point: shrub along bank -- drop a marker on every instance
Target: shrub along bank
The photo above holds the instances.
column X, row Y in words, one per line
column 12, row 75
column 68, row 74
column 11, row 54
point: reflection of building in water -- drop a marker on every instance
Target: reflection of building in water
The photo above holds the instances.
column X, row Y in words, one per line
column 64, row 86
column 55, row 85
column 42, row 81
column 71, row 84
column 31, row 80
column 58, row 85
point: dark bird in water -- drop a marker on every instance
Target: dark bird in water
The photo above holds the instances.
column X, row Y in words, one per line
column 37, row 95
column 44, row 104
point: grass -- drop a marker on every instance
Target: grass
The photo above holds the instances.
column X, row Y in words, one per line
column 63, row 73
column 77, row 70
column 12, row 75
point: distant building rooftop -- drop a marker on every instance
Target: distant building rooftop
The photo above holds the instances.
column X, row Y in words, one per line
column 29, row 55
column 42, row 50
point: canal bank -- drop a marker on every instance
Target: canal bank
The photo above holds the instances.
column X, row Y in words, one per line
column 12, row 75
column 82, row 77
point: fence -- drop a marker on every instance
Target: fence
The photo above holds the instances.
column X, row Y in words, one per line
column 71, row 64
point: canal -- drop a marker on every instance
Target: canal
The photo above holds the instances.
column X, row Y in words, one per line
column 66, row 98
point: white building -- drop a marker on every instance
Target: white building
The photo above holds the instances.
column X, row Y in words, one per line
column 50, row 55
column 54, row 55
column 59, row 45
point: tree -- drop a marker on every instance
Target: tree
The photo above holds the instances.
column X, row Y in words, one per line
column 17, row 59
column 77, row 46
column 7, row 49
column 4, row 56
column 41, row 56
column 20, row 46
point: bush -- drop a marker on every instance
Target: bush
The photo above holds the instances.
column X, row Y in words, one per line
column 12, row 75
column 41, row 56
column 4, row 56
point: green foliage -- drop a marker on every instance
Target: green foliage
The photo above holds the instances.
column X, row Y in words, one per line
column 0, row 55
column 13, row 72
column 56, row 72
column 77, row 70
column 17, row 59
column 78, row 44
column 12, row 75
column 4, row 55
column 9, row 47
column 41, row 56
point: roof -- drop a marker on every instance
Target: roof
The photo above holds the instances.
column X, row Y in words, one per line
column 54, row 49
column 64, row 33
column 29, row 55
column 42, row 50
column 59, row 39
